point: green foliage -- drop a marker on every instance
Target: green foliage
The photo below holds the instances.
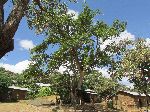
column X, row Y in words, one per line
column 44, row 91
column 135, row 65
column 23, row 80
column 28, row 81
column 5, row 80
column 34, row 91
column 105, row 87
column 61, row 84
column 78, row 39
column 20, row 80
column 78, row 43
column 40, row 19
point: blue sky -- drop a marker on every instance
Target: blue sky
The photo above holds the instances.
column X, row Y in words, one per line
column 134, row 12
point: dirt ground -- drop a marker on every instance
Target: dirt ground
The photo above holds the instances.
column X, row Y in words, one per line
column 24, row 107
column 35, row 106
column 21, row 107
column 47, row 104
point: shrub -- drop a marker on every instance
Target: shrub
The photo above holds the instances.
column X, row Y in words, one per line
column 44, row 91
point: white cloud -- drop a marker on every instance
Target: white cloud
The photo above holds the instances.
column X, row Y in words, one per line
column 62, row 69
column 123, row 36
column 125, row 81
column 75, row 13
column 17, row 68
column 147, row 42
column 26, row 44
column 104, row 71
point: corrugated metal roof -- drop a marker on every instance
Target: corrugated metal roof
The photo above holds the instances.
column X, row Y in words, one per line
column 43, row 85
column 88, row 90
column 134, row 93
column 19, row 88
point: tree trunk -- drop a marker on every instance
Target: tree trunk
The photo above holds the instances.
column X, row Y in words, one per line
column 72, row 93
column 147, row 100
column 79, row 67
column 9, row 28
column 80, row 70
column 80, row 79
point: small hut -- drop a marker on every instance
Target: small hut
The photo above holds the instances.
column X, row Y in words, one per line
column 17, row 93
column 126, row 100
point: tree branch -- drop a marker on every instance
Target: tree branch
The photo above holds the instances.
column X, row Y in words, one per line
column 1, row 18
column 3, row 1
column 15, row 17
column 11, row 25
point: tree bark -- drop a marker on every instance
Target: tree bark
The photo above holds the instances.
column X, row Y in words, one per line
column 80, row 79
column 9, row 28
column 79, row 67
column 147, row 99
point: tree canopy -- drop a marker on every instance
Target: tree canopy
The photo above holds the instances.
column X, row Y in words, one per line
column 135, row 64
column 79, row 40
column 5, row 79
column 105, row 87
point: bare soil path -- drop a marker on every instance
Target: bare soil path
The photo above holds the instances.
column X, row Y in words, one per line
column 22, row 107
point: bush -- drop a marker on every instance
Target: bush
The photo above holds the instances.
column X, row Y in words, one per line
column 5, row 81
column 44, row 91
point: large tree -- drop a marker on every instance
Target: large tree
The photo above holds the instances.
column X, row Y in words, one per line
column 78, row 40
column 135, row 64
